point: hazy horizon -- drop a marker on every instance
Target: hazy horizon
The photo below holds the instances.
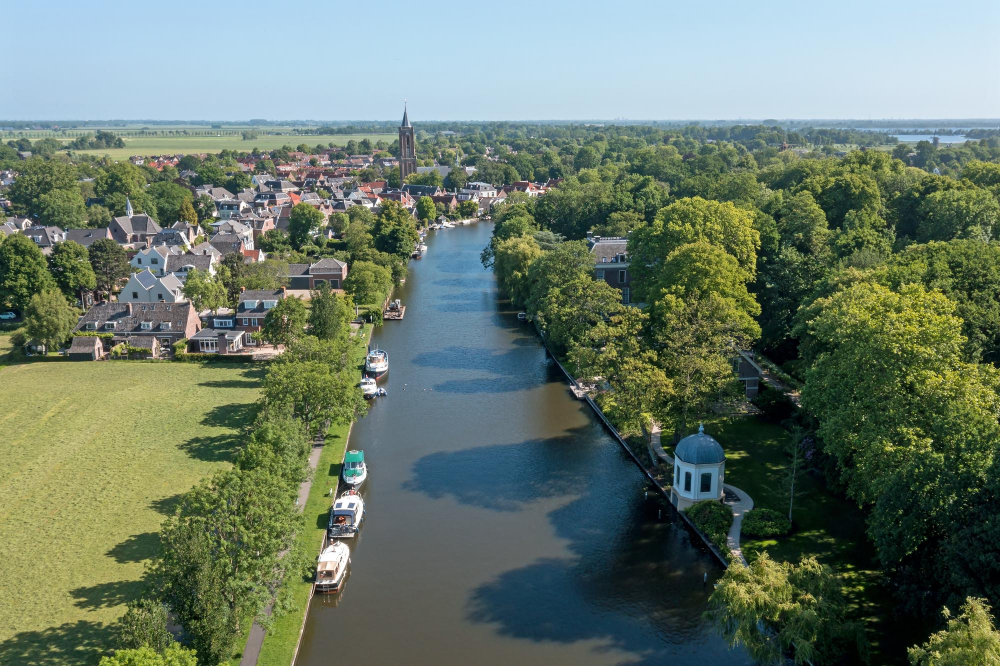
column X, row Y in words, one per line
column 451, row 60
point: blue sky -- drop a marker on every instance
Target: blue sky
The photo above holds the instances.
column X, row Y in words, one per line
column 500, row 60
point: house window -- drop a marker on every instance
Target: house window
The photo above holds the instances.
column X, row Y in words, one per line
column 677, row 475
column 154, row 261
column 147, row 326
column 91, row 325
column 621, row 277
column 687, row 482
column 245, row 321
column 600, row 274
column 626, row 296
column 135, row 295
column 165, row 325
column 604, row 260
column 209, row 345
column 110, row 326
column 223, row 323
column 269, row 304
column 706, row 482
column 139, row 260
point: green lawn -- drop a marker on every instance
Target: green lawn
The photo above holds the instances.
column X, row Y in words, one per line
column 172, row 145
column 827, row 526
column 281, row 641
column 94, row 456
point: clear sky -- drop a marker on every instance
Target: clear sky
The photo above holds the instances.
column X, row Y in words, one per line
column 335, row 60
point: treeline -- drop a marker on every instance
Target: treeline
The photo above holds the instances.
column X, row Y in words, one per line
column 874, row 283
column 221, row 560
column 94, row 141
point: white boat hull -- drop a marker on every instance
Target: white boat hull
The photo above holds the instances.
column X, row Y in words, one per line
column 331, row 570
column 356, row 481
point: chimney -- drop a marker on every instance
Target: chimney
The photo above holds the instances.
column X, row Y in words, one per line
column 242, row 289
column 284, row 292
column 128, row 308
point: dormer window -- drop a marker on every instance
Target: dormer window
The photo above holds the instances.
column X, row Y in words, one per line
column 249, row 305
column 147, row 326
column 110, row 326
column 165, row 325
column 269, row 304
column 91, row 325
column 604, row 260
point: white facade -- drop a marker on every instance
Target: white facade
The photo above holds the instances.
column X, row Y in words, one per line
column 144, row 287
column 153, row 259
column 699, row 470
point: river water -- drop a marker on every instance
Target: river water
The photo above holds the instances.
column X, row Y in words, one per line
column 504, row 524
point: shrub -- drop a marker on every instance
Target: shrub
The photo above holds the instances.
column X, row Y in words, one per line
column 774, row 406
column 714, row 519
column 760, row 523
column 180, row 346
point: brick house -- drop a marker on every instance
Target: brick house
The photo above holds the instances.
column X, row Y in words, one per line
column 329, row 272
column 167, row 322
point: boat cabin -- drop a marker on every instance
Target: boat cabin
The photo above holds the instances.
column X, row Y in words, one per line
column 346, row 516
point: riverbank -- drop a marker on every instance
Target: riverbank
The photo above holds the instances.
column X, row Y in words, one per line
column 281, row 640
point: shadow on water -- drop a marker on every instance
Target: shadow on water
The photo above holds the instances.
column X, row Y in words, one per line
column 635, row 580
column 80, row 642
column 473, row 358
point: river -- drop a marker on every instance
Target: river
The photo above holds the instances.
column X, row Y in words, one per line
column 504, row 525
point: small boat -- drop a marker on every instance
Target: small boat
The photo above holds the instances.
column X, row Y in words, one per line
column 422, row 248
column 368, row 387
column 346, row 515
column 331, row 569
column 377, row 362
column 522, row 316
column 355, row 470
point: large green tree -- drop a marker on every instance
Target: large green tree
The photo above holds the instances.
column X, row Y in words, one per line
column 970, row 638
column 330, row 315
column 110, row 264
column 35, row 179
column 368, row 283
column 23, row 272
column 285, row 322
column 63, row 209
column 971, row 213
column 302, row 223
column 69, row 264
column 49, row 318
column 205, row 291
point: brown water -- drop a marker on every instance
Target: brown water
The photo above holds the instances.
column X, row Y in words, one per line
column 504, row 525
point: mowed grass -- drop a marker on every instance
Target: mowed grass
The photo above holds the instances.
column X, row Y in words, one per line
column 825, row 526
column 175, row 145
column 95, row 455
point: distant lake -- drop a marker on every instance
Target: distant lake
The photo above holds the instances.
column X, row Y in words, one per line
column 913, row 138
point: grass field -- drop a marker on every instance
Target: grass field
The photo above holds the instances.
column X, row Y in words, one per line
column 174, row 145
column 95, row 455
column 826, row 526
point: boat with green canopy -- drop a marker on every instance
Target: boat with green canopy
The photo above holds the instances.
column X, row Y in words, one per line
column 355, row 470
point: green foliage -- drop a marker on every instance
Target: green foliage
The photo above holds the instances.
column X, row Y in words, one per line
column 394, row 230
column 368, row 283
column 172, row 656
column 302, row 223
column 49, row 318
column 37, row 178
column 205, row 291
column 330, row 315
column 144, row 625
column 285, row 322
column 775, row 609
column 714, row 519
column 169, row 200
column 110, row 264
column 970, row 638
column 426, row 208
column 761, row 523
column 23, row 271
column 63, row 209
column 774, row 406
column 70, row 266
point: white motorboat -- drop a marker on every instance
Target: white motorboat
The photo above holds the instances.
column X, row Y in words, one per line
column 369, row 388
column 447, row 225
column 377, row 362
column 346, row 515
column 422, row 248
column 355, row 470
column 331, row 569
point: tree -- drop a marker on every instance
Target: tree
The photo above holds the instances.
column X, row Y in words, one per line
column 431, row 178
column 952, row 214
column 302, row 223
column 144, row 625
column 36, row 178
column 359, row 242
column 971, row 638
column 285, row 322
column 110, row 264
column 315, row 390
column 570, row 309
column 123, row 181
column 512, row 261
column 330, row 315
column 586, row 158
column 62, row 208
column 98, row 216
column 169, row 199
column 394, row 230
column 686, row 221
column 23, row 272
column 69, row 264
column 338, row 223
column 457, row 179
column 426, row 208
column 172, row 656
column 187, row 213
column 49, row 318
column 468, row 208
column 773, row 609
column 221, row 555
column 205, row 291
column 368, row 283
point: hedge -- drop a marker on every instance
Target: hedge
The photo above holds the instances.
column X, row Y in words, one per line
column 760, row 523
column 198, row 357
column 714, row 519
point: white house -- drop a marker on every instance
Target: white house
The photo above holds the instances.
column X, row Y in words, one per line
column 144, row 287
column 153, row 259
column 699, row 469
column 476, row 190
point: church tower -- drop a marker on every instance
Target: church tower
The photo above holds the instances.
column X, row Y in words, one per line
column 407, row 149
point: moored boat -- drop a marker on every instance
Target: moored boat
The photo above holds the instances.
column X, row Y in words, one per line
column 331, row 569
column 369, row 388
column 377, row 362
column 355, row 469
column 346, row 515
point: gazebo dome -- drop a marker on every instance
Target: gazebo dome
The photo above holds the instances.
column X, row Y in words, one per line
column 700, row 449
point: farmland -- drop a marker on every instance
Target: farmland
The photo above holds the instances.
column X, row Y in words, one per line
column 96, row 454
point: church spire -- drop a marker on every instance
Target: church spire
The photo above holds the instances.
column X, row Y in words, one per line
column 128, row 207
column 406, row 117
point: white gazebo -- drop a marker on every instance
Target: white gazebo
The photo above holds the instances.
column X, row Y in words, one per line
column 699, row 466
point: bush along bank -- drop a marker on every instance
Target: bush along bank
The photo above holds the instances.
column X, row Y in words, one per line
column 222, row 550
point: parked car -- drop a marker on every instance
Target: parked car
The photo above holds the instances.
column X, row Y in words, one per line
column 8, row 315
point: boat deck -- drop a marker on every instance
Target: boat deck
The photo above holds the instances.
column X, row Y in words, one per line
column 394, row 315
